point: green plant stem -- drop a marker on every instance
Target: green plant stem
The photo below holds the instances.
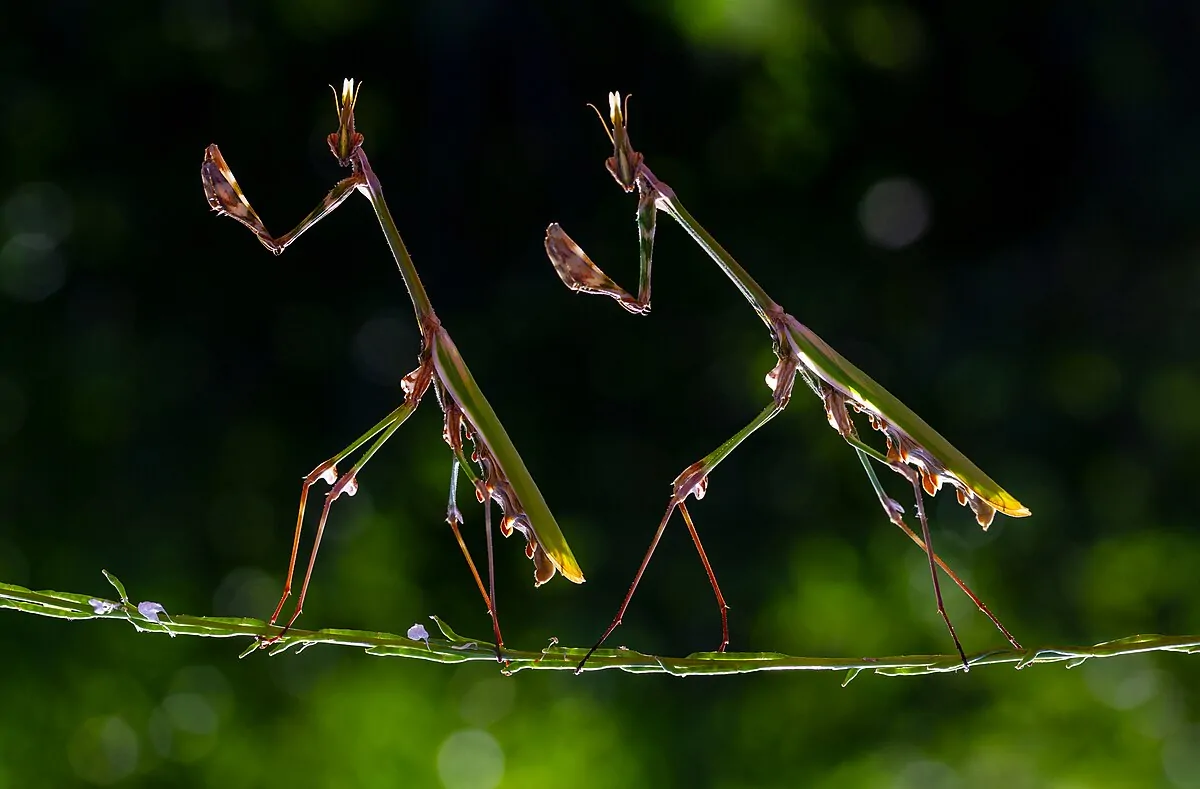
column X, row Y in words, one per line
column 453, row 648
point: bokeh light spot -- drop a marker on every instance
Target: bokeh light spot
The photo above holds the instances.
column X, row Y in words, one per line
column 1123, row 687
column 191, row 712
column 887, row 36
column 247, row 591
column 488, row 701
column 184, row 727
column 379, row 348
column 894, row 213
column 41, row 209
column 1181, row 758
column 470, row 759
column 159, row 732
column 751, row 25
column 30, row 269
column 925, row 774
column 103, row 750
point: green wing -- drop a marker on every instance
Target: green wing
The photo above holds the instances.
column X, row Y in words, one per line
column 457, row 378
column 822, row 359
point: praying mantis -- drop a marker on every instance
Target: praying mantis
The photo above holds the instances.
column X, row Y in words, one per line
column 502, row 477
column 914, row 449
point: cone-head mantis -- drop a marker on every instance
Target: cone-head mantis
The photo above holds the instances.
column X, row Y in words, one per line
column 914, row 449
column 502, row 475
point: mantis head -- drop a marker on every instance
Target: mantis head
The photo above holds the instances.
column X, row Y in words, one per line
column 345, row 141
column 625, row 161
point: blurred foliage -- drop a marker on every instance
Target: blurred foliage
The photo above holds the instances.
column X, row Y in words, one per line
column 990, row 207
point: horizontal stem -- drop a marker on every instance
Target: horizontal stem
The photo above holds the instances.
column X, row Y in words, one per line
column 453, row 648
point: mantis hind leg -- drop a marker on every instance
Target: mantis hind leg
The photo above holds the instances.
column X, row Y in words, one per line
column 692, row 482
column 915, row 479
column 894, row 512
column 416, row 383
column 712, row 577
column 454, row 518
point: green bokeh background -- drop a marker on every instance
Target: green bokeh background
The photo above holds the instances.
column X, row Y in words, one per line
column 164, row 383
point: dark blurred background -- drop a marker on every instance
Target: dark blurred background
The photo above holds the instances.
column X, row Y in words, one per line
column 990, row 207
